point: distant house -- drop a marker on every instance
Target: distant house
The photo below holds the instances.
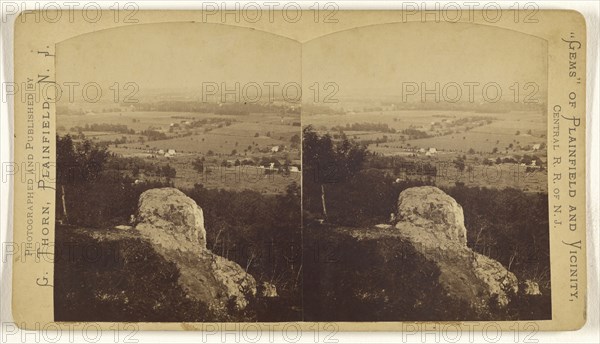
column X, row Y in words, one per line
column 421, row 150
column 275, row 149
column 536, row 146
column 171, row 151
column 294, row 169
column 161, row 152
column 432, row 150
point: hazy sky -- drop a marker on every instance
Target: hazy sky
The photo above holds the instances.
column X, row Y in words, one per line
column 379, row 58
column 178, row 56
column 369, row 61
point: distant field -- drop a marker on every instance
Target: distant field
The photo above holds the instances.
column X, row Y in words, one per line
column 498, row 134
column 245, row 137
column 202, row 143
column 257, row 130
column 143, row 119
column 233, row 178
column 510, row 128
column 499, row 176
column 478, row 141
column 395, row 119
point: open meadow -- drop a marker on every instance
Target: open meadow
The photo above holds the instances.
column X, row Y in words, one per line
column 518, row 127
column 236, row 151
column 498, row 150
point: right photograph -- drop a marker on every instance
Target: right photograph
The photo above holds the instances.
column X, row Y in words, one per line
column 424, row 174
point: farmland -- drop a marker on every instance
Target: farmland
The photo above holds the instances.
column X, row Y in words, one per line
column 236, row 151
column 500, row 150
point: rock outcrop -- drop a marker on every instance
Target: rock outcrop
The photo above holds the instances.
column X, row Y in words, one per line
column 433, row 223
column 174, row 224
column 434, row 211
column 418, row 269
column 530, row 288
column 170, row 211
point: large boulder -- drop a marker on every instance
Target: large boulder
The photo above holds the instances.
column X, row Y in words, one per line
column 433, row 223
column 433, row 210
column 170, row 211
column 174, row 224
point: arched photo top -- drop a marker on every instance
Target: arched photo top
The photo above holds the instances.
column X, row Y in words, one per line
column 379, row 58
column 178, row 55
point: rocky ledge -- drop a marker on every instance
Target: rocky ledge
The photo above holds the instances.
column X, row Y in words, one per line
column 174, row 224
column 433, row 223
column 417, row 268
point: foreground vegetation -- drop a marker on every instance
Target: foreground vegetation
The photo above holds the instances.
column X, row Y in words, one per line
column 259, row 232
column 342, row 187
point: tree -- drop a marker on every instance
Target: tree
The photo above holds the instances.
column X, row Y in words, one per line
column 459, row 163
column 326, row 162
column 65, row 161
column 77, row 164
column 168, row 171
column 198, row 165
column 295, row 141
column 135, row 171
column 526, row 159
column 317, row 154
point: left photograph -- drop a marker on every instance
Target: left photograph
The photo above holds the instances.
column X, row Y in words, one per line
column 178, row 175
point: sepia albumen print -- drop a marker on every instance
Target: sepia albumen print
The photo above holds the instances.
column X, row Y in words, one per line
column 369, row 174
column 424, row 184
column 427, row 178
